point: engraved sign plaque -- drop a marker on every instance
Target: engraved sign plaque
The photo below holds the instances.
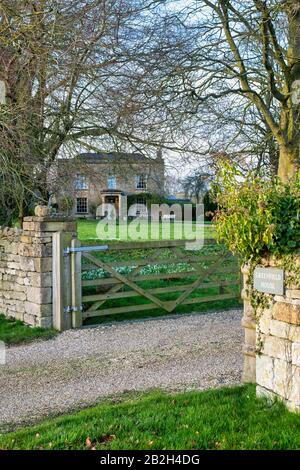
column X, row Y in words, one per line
column 269, row 280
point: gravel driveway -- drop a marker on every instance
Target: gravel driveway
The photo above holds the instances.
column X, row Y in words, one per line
column 79, row 367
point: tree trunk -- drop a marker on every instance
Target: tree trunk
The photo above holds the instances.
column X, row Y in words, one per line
column 288, row 163
column 21, row 214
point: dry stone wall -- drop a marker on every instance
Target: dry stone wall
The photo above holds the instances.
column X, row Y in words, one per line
column 26, row 269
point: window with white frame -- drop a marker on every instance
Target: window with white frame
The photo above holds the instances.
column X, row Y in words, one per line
column 141, row 205
column 141, row 181
column 81, row 205
column 111, row 182
column 141, row 201
column 81, row 182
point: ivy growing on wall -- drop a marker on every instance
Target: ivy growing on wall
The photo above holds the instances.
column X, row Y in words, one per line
column 256, row 216
column 259, row 219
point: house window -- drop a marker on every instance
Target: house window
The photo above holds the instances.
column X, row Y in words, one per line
column 141, row 201
column 81, row 205
column 81, row 182
column 141, row 206
column 111, row 182
column 141, row 182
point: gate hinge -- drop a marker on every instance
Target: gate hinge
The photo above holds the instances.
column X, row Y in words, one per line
column 70, row 309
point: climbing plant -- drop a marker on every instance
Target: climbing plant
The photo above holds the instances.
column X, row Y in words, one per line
column 258, row 218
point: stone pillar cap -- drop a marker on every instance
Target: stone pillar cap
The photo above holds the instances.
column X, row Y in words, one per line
column 49, row 218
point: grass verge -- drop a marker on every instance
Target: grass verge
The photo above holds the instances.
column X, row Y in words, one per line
column 227, row 418
column 16, row 332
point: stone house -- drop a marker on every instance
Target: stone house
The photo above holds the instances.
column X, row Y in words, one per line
column 93, row 179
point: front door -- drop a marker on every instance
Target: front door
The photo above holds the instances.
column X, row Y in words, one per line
column 113, row 200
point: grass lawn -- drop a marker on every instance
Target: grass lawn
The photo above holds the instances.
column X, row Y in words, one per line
column 15, row 332
column 228, row 418
column 87, row 231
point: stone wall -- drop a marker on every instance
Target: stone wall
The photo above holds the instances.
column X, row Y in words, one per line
column 274, row 346
column 26, row 269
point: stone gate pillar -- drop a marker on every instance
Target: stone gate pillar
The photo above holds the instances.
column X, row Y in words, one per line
column 248, row 322
column 272, row 344
column 36, row 251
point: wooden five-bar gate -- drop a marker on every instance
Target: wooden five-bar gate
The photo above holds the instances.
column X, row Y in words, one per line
column 123, row 278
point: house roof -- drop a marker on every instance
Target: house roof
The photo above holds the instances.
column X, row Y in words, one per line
column 105, row 157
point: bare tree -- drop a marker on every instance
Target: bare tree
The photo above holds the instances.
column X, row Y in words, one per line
column 196, row 185
column 193, row 77
column 240, row 57
column 71, row 74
